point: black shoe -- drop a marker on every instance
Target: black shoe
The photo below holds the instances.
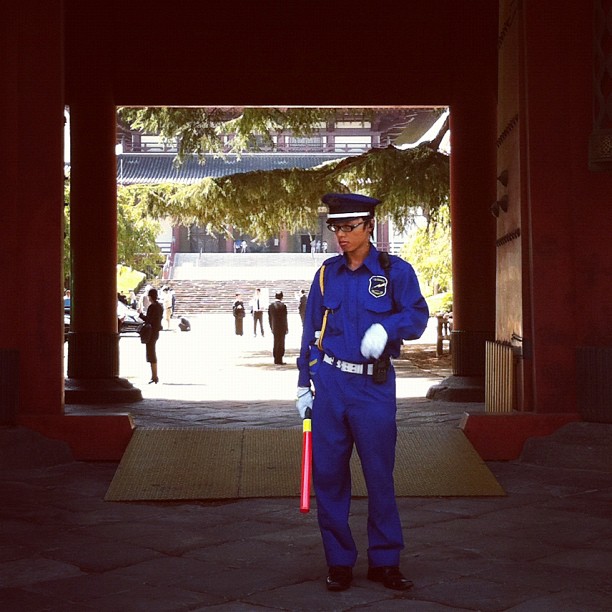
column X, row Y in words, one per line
column 390, row 576
column 154, row 380
column 339, row 578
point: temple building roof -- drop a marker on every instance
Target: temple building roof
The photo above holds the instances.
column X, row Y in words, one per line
column 156, row 168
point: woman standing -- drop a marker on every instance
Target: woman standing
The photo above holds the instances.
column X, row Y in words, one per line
column 153, row 316
column 238, row 312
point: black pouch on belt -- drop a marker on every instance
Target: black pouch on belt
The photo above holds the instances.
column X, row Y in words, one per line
column 381, row 370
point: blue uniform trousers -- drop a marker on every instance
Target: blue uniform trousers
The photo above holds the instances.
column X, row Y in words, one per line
column 350, row 409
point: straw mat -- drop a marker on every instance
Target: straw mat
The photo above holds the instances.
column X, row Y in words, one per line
column 208, row 464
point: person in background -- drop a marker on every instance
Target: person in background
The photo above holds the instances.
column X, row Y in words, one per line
column 167, row 303
column 238, row 311
column 153, row 317
column 144, row 300
column 172, row 299
column 277, row 317
column 302, row 306
column 257, row 308
column 360, row 306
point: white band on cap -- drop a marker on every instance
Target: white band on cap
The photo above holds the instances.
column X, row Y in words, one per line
column 349, row 215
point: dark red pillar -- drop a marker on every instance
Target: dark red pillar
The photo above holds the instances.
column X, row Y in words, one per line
column 31, row 226
column 31, row 236
column 473, row 190
column 93, row 353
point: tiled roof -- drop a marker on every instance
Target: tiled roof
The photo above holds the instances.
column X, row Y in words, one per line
column 155, row 168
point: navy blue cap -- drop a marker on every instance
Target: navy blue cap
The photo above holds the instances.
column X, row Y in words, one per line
column 349, row 205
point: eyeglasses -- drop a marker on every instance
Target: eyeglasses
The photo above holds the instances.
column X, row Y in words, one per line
column 332, row 227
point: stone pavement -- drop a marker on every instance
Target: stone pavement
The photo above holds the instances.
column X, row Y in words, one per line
column 545, row 546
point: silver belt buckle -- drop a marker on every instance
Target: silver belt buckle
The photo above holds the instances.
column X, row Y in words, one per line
column 354, row 368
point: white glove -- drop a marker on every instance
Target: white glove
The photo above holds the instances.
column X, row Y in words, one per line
column 304, row 400
column 374, row 341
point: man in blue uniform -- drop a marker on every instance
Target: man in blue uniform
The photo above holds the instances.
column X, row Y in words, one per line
column 360, row 306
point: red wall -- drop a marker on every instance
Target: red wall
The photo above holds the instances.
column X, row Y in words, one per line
column 31, row 229
column 568, row 204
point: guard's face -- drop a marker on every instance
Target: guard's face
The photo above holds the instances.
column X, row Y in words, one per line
column 355, row 239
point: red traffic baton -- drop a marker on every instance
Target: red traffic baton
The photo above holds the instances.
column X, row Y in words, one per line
column 306, row 461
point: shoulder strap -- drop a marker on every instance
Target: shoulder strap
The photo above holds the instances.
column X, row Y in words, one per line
column 385, row 262
column 324, row 324
column 321, row 279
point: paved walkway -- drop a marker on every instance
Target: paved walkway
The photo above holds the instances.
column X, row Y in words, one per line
column 546, row 546
column 212, row 377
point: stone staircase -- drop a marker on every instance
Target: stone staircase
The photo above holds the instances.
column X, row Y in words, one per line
column 197, row 297
column 208, row 282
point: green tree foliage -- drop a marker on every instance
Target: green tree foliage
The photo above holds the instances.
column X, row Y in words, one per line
column 410, row 182
column 204, row 130
column 66, row 234
column 136, row 233
column 429, row 251
column 258, row 203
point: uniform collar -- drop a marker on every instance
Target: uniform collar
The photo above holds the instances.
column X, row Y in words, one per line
column 370, row 262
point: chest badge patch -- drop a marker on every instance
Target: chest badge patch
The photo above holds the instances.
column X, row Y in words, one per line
column 378, row 286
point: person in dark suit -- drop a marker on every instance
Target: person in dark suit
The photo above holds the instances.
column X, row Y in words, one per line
column 277, row 316
column 258, row 305
column 302, row 307
column 238, row 312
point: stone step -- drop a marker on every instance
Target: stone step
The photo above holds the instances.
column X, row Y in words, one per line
column 208, row 282
column 247, row 266
column 194, row 297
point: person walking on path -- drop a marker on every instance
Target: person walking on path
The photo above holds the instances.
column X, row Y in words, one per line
column 153, row 317
column 238, row 312
column 277, row 316
column 144, row 300
column 302, row 306
column 257, row 308
column 361, row 305
column 168, row 309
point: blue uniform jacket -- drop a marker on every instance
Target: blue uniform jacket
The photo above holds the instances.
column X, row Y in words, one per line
column 356, row 300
